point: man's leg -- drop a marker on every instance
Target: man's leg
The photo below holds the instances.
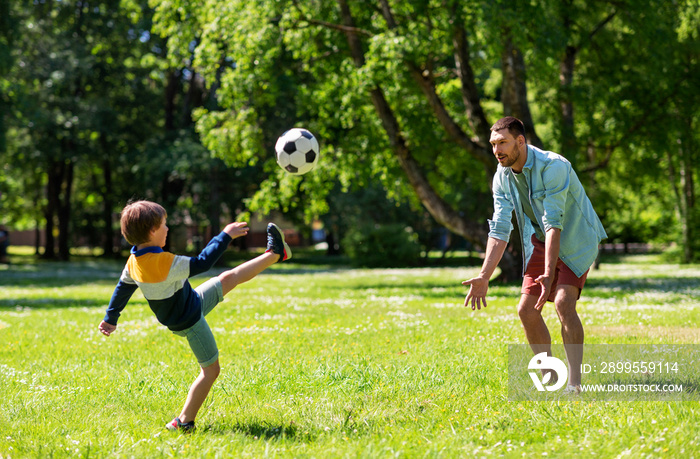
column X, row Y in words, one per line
column 198, row 392
column 571, row 329
column 536, row 330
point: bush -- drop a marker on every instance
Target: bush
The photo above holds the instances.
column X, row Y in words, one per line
column 375, row 246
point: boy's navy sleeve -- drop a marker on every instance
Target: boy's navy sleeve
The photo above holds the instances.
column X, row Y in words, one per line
column 210, row 255
column 122, row 294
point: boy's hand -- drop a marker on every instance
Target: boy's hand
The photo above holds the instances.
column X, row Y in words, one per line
column 236, row 229
column 106, row 329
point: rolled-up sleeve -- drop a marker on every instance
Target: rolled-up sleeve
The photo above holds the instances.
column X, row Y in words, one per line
column 500, row 226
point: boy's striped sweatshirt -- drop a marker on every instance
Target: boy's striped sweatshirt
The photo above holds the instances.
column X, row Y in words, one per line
column 163, row 280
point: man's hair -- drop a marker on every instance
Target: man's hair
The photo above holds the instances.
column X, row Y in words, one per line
column 514, row 126
column 139, row 218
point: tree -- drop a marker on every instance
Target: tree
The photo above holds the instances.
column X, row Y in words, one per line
column 404, row 92
column 78, row 92
column 100, row 117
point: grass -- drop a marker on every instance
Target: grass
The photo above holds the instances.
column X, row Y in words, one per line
column 324, row 361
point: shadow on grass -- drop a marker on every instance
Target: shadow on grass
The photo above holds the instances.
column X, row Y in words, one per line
column 643, row 284
column 265, row 431
column 21, row 304
column 53, row 274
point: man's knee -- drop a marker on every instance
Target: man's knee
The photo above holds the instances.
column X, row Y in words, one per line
column 526, row 309
column 565, row 303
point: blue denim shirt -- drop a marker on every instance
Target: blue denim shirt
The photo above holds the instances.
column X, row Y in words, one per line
column 558, row 200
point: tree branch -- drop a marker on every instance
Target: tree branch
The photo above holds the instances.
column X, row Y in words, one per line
column 514, row 93
column 433, row 202
column 643, row 120
column 600, row 26
column 470, row 92
column 427, row 85
column 340, row 27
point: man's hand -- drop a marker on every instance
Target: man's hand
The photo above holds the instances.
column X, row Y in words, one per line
column 106, row 329
column 546, row 282
column 551, row 256
column 236, row 229
column 478, row 286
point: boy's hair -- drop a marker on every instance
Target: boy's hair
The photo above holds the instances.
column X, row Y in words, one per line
column 139, row 218
column 514, row 126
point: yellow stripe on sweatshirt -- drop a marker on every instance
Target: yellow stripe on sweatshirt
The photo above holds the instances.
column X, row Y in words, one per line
column 150, row 268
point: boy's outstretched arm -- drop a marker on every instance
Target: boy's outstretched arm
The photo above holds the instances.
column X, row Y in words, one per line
column 106, row 328
column 236, row 229
column 120, row 297
column 216, row 247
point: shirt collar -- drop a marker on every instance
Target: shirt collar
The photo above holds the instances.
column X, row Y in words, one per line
column 145, row 250
column 530, row 158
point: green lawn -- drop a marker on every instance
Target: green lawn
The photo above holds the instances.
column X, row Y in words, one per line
column 323, row 361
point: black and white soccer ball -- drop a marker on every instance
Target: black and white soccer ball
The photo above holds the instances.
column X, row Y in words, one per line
column 297, row 151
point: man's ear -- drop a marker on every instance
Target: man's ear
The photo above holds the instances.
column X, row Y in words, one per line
column 522, row 141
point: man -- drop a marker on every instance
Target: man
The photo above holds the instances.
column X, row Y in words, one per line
column 560, row 234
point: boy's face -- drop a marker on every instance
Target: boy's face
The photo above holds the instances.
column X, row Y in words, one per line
column 159, row 234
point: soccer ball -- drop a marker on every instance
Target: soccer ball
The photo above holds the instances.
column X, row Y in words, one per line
column 297, row 151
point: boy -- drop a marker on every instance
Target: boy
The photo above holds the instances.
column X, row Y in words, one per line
column 162, row 278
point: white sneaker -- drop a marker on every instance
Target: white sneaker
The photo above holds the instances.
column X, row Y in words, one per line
column 571, row 389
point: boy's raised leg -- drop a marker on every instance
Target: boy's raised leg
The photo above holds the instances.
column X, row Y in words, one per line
column 246, row 271
column 277, row 250
column 276, row 243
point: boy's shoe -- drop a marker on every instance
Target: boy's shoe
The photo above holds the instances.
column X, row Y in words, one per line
column 276, row 244
column 175, row 424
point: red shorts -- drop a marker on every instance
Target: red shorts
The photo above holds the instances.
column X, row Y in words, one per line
column 562, row 276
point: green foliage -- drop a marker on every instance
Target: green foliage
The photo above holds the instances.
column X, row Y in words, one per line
column 375, row 245
column 92, row 89
column 112, row 88
column 284, row 70
column 277, row 64
column 80, row 97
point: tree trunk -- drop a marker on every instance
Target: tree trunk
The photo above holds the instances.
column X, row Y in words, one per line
column 514, row 92
column 214, row 201
column 687, row 199
column 438, row 208
column 470, row 93
column 107, row 208
column 684, row 198
column 64, row 211
column 171, row 91
column 58, row 209
column 53, row 187
column 37, row 240
column 566, row 77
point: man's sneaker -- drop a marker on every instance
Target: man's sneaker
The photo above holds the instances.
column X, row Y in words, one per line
column 175, row 424
column 572, row 390
column 276, row 244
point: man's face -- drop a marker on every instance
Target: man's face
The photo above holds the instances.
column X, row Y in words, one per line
column 507, row 149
